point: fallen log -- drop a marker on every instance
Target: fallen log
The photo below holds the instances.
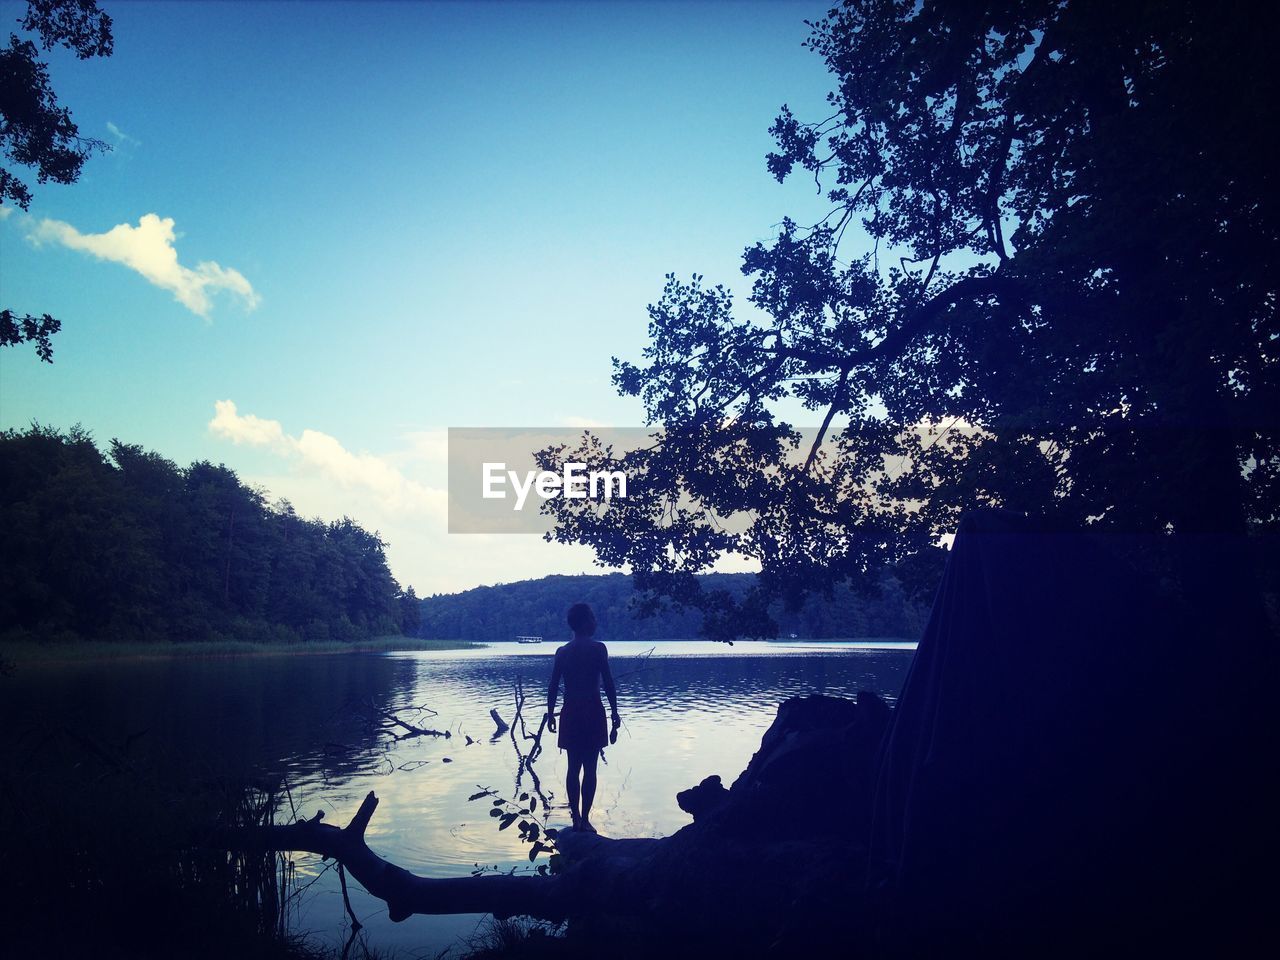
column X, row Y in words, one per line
column 405, row 893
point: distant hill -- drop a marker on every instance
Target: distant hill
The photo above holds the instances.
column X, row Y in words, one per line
column 538, row 607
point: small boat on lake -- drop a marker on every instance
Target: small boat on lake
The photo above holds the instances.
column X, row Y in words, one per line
column 528, row 639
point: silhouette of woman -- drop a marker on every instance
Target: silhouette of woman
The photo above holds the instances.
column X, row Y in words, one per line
column 583, row 663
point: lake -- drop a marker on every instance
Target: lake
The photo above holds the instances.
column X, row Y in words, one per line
column 689, row 708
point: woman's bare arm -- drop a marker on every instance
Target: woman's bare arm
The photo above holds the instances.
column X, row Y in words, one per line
column 552, row 690
column 607, row 677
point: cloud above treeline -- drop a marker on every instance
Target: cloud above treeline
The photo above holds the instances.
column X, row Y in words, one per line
column 327, row 456
column 321, row 478
column 148, row 249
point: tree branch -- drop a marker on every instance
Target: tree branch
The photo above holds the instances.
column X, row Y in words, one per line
column 837, row 400
column 404, row 893
column 896, row 341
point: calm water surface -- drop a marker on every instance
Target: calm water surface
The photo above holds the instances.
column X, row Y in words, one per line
column 689, row 709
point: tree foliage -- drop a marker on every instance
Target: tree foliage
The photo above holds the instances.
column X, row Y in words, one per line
column 128, row 546
column 1047, row 282
column 36, row 131
column 15, row 328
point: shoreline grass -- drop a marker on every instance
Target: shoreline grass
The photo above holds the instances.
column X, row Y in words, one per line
column 33, row 652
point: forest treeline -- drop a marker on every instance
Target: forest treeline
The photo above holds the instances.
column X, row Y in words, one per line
column 126, row 545
column 880, row 608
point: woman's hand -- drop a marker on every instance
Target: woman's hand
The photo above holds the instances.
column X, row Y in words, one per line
column 551, row 721
column 617, row 722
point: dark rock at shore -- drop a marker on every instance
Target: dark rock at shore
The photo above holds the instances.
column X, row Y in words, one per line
column 818, row 747
column 766, row 865
column 707, row 797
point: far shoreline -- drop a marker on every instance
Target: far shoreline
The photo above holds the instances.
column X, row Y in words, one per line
column 49, row 652
column 33, row 652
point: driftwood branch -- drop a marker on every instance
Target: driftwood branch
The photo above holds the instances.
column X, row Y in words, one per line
column 397, row 727
column 404, row 893
column 498, row 722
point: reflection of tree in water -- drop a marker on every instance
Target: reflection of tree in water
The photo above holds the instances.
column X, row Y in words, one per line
column 527, row 756
column 384, row 731
column 209, row 718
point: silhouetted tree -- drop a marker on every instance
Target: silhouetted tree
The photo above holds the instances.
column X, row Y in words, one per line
column 1062, row 299
column 132, row 546
column 38, row 132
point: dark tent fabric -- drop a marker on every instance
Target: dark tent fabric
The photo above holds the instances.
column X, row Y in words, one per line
column 1078, row 747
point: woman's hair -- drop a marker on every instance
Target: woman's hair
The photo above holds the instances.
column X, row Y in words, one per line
column 581, row 619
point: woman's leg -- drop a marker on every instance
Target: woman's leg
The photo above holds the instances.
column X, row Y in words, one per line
column 571, row 784
column 588, row 784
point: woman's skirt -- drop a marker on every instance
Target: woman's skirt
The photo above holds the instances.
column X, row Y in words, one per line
column 582, row 725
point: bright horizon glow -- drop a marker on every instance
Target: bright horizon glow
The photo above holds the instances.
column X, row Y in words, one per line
column 328, row 232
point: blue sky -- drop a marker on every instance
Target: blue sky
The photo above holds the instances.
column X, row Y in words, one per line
column 409, row 215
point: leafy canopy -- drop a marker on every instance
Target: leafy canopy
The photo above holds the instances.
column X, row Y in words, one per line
column 38, row 132
column 1047, row 282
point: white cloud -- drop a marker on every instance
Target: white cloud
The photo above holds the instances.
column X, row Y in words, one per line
column 148, row 249
column 427, row 446
column 121, row 138
column 410, row 515
column 4, row 212
column 248, row 429
column 325, row 455
column 369, row 472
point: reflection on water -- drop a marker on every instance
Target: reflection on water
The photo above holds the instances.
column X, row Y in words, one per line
column 689, row 709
